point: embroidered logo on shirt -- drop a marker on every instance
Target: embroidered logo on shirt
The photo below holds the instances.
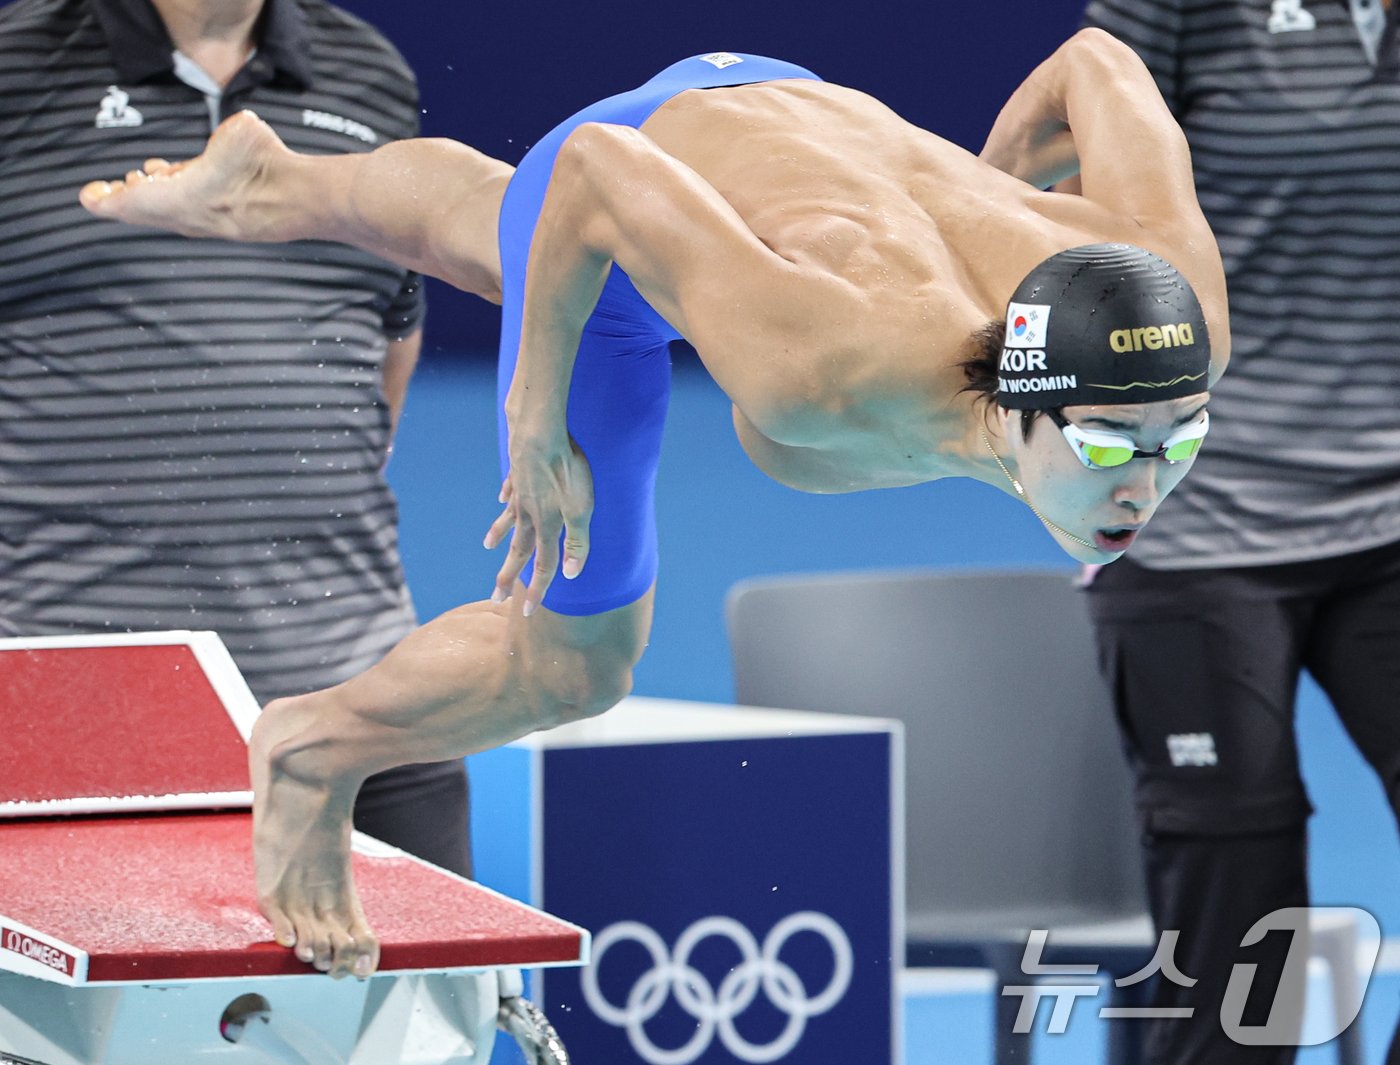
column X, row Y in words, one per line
column 116, row 112
column 1192, row 748
column 339, row 124
column 1288, row 16
column 720, row 60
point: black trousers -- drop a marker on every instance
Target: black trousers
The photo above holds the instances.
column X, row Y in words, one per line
column 1204, row 666
column 422, row 809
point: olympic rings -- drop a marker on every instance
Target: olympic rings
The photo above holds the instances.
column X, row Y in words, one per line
column 716, row 1010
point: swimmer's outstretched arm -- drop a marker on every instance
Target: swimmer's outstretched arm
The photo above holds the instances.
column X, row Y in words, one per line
column 427, row 204
column 760, row 322
column 1092, row 108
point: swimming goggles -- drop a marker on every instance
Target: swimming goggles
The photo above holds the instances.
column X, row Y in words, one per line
column 1099, row 449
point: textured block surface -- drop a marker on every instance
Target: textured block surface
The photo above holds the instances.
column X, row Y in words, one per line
column 171, row 897
column 114, row 722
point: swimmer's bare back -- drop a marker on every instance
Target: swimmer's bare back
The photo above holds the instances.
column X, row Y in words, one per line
column 926, row 241
column 830, row 177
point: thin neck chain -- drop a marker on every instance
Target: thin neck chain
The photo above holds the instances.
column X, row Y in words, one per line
column 1021, row 492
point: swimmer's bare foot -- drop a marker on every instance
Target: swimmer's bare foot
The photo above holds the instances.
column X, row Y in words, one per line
column 301, row 846
column 225, row 192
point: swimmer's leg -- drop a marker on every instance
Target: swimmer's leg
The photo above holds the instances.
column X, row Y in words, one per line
column 428, row 204
column 475, row 677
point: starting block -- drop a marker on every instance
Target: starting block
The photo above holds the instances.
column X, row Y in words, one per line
column 128, row 929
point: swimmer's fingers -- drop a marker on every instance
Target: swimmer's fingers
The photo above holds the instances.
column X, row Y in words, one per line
column 506, row 521
column 575, row 550
column 570, row 526
column 502, row 525
column 522, row 546
column 572, row 531
column 549, row 498
column 546, row 565
column 577, row 516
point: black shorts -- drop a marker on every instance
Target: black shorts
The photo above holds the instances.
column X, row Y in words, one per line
column 1204, row 666
column 422, row 809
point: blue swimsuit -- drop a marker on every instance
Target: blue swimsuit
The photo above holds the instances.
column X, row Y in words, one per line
column 622, row 379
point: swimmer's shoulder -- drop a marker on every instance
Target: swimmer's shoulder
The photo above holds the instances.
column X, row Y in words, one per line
column 1182, row 237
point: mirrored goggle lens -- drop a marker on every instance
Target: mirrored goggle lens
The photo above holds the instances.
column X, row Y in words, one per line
column 1184, row 450
column 1105, row 456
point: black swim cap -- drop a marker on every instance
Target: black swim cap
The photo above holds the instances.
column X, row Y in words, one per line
column 1102, row 323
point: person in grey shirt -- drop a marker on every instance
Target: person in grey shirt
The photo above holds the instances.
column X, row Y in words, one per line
column 192, row 433
column 1281, row 552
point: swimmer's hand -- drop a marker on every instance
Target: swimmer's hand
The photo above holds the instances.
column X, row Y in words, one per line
column 223, row 192
column 549, row 491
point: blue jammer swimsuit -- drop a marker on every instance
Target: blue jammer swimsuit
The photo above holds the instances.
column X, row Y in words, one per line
column 622, row 380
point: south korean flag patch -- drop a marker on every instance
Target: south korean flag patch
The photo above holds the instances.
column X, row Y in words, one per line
column 1027, row 325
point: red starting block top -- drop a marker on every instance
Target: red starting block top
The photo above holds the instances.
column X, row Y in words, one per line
column 170, row 898
column 155, row 722
column 145, row 721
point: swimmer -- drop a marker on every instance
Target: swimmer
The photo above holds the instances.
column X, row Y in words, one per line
column 882, row 307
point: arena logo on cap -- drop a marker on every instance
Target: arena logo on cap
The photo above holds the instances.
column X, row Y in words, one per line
column 1026, row 324
column 1152, row 337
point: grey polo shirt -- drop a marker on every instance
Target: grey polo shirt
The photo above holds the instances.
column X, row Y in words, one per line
column 1292, row 110
column 192, row 433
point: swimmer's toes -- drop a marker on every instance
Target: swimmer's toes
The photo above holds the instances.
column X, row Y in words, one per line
column 283, row 930
column 96, row 196
column 344, row 952
column 306, row 936
column 364, row 959
column 323, row 952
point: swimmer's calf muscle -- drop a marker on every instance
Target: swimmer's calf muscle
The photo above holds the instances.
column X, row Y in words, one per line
column 473, row 678
column 432, row 205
